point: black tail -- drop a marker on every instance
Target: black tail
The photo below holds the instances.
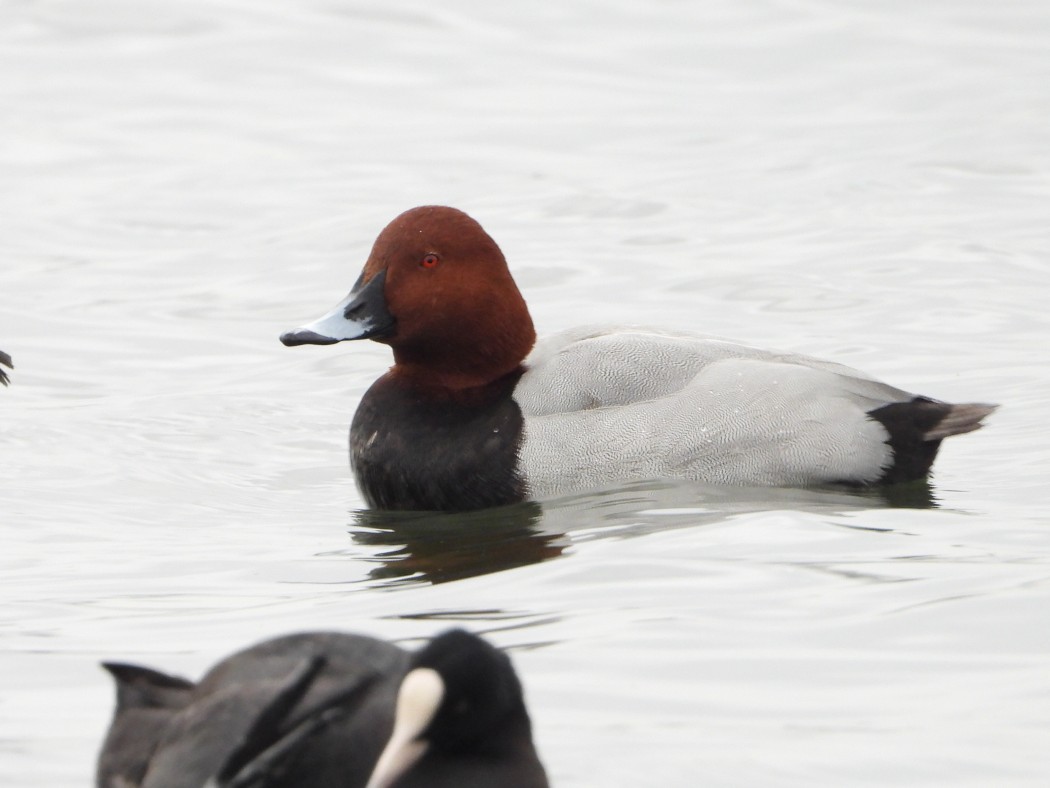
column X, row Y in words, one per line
column 959, row 420
column 916, row 430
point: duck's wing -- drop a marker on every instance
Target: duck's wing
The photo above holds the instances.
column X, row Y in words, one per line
column 598, row 367
column 225, row 729
column 616, row 405
column 310, row 709
column 347, row 656
column 333, row 731
column 271, row 723
column 279, row 745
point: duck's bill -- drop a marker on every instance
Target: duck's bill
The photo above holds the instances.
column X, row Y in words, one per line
column 361, row 315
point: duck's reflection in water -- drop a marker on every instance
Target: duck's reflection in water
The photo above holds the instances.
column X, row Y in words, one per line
column 437, row 547
column 918, row 494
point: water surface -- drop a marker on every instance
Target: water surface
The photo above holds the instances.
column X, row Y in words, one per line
column 864, row 182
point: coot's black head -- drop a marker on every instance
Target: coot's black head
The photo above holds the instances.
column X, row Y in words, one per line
column 460, row 709
column 482, row 692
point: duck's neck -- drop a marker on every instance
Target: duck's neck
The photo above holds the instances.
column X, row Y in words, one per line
column 457, row 366
column 452, row 383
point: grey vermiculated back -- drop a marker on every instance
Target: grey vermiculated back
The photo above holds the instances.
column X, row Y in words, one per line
column 609, row 404
column 593, row 366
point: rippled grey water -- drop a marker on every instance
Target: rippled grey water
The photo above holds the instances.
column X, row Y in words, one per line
column 868, row 182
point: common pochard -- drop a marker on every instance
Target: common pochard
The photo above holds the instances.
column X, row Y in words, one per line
column 476, row 413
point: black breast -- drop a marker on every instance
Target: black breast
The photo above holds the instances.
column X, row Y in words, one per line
column 419, row 449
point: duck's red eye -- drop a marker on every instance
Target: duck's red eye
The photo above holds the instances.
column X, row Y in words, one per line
column 430, row 261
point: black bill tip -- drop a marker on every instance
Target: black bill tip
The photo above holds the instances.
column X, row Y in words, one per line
column 302, row 337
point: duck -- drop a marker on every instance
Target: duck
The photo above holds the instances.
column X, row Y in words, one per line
column 477, row 412
column 5, row 361
column 326, row 710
